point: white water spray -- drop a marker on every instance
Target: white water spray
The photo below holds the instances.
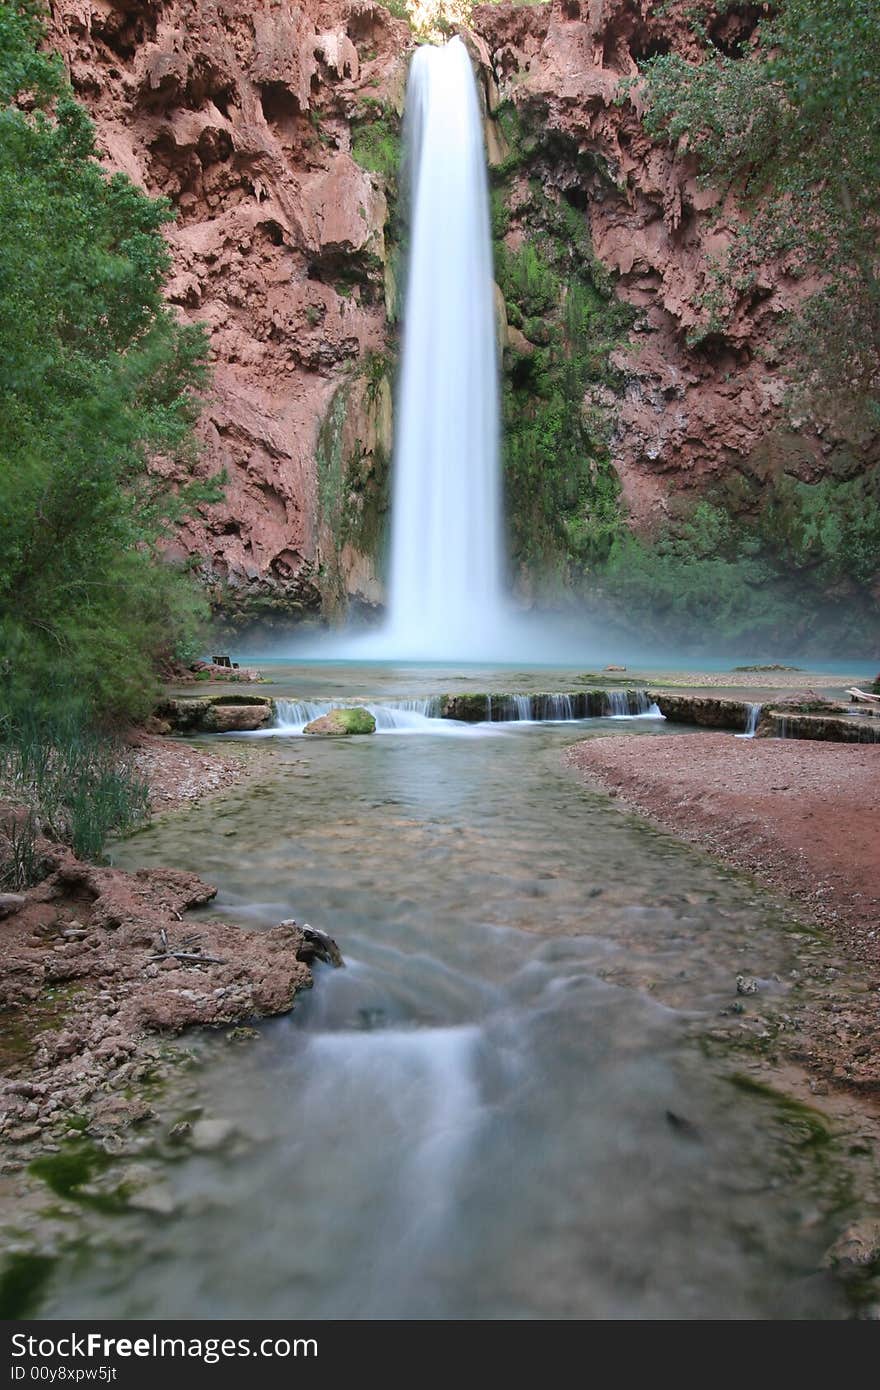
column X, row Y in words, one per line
column 446, row 553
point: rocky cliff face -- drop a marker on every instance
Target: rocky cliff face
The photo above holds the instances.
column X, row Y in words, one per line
column 272, row 129
column 697, row 407
column 244, row 116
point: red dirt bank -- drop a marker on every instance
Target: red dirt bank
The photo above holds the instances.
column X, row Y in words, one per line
column 802, row 816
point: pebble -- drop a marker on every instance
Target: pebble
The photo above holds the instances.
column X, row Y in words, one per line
column 156, row 1200
column 208, row 1135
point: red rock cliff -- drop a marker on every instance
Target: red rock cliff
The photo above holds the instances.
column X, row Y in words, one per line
column 242, row 116
column 689, row 415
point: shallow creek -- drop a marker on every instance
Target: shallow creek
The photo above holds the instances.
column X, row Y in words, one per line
column 500, row 1107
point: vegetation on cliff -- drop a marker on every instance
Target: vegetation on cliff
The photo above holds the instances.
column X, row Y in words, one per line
column 788, row 123
column 785, row 121
column 785, row 550
column 97, row 380
column 564, row 321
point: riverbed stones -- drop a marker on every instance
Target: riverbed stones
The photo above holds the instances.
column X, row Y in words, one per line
column 343, row 722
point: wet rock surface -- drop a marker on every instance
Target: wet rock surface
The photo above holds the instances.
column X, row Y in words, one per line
column 341, row 722
column 97, row 965
column 215, row 714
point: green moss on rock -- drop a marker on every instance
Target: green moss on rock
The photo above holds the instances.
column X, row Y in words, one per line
column 341, row 722
column 22, row 1282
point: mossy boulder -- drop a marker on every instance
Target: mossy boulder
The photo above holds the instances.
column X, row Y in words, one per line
column 469, row 708
column 340, row 722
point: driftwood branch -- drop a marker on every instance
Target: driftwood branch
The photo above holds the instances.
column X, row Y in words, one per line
column 190, row 957
column 856, row 694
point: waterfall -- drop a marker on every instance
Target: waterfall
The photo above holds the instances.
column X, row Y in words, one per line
column 431, row 715
column 631, row 704
column 445, row 578
column 753, row 714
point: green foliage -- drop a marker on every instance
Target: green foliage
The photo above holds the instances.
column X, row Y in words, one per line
column 790, row 127
column 22, row 1282
column 67, row 782
column 97, row 379
column 797, row 572
column 398, row 8
column 562, row 492
column 375, row 140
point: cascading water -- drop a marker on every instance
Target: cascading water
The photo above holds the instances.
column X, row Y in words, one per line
column 431, row 714
column 753, row 714
column 445, row 594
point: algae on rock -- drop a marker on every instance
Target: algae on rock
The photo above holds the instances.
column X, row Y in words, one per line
column 342, row 722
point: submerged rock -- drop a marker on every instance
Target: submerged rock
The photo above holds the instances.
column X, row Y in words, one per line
column 317, row 945
column 340, row 722
column 209, row 1135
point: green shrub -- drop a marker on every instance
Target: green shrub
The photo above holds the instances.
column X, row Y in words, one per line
column 97, row 380
column 66, row 780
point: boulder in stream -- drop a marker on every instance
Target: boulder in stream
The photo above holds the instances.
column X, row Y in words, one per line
column 339, row 722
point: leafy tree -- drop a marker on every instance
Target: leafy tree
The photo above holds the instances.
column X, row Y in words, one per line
column 789, row 125
column 97, row 380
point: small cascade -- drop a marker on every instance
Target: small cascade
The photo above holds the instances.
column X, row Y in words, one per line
column 293, row 715
column 405, row 715
column 438, row 714
column 753, row 714
column 510, row 709
column 630, row 704
column 554, row 708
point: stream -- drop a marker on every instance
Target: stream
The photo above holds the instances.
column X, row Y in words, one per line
column 502, row 1106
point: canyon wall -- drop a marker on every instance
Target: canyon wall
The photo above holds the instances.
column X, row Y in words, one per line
column 698, row 405
column 271, row 128
column 244, row 116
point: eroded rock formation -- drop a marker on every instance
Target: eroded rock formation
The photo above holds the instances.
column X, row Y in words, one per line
column 689, row 415
column 242, row 115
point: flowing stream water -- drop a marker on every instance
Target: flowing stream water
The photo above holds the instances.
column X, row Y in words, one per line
column 500, row 1107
